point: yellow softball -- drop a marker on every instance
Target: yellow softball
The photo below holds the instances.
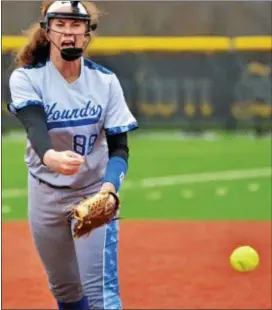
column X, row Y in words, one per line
column 244, row 259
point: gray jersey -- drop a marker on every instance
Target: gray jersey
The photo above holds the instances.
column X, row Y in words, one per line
column 78, row 115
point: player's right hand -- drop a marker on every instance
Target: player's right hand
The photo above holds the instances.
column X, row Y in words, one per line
column 66, row 162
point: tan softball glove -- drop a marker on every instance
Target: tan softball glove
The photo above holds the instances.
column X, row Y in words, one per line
column 94, row 212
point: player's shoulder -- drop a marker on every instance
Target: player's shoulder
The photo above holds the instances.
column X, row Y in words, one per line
column 34, row 68
column 96, row 68
column 29, row 70
column 30, row 74
column 38, row 66
column 18, row 75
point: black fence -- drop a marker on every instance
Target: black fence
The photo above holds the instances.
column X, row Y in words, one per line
column 186, row 90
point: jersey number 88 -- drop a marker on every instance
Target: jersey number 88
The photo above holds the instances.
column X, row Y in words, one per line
column 84, row 145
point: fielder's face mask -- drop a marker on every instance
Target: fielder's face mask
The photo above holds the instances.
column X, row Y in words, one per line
column 78, row 12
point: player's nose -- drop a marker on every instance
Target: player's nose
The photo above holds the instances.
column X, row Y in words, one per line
column 67, row 30
column 67, row 33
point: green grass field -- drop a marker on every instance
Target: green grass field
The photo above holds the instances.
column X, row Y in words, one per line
column 224, row 178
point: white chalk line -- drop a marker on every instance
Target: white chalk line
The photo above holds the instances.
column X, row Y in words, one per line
column 228, row 175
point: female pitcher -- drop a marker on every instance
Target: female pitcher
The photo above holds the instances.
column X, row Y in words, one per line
column 76, row 120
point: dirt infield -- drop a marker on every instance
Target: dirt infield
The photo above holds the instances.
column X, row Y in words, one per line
column 162, row 265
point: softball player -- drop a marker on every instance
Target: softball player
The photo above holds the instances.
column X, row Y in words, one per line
column 76, row 120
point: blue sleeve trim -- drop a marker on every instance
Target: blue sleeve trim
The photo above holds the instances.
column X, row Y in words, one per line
column 94, row 66
column 121, row 129
column 14, row 108
column 115, row 171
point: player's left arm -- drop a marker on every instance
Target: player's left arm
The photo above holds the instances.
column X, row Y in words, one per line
column 118, row 161
column 118, row 121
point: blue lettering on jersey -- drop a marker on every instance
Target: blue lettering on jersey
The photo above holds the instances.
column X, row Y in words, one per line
column 57, row 118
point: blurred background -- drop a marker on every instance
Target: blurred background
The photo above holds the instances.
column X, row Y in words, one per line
column 197, row 76
column 216, row 83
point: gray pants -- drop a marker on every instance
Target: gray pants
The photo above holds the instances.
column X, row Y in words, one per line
column 87, row 266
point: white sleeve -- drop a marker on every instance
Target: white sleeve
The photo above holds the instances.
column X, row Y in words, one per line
column 118, row 117
column 22, row 92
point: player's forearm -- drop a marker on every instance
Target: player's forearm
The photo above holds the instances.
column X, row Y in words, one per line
column 34, row 121
column 115, row 172
column 118, row 162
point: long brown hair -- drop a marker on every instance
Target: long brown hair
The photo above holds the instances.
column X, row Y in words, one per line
column 37, row 49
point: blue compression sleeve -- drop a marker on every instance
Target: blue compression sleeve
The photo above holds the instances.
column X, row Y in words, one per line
column 82, row 304
column 115, row 171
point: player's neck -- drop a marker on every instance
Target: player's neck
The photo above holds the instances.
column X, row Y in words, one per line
column 70, row 70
